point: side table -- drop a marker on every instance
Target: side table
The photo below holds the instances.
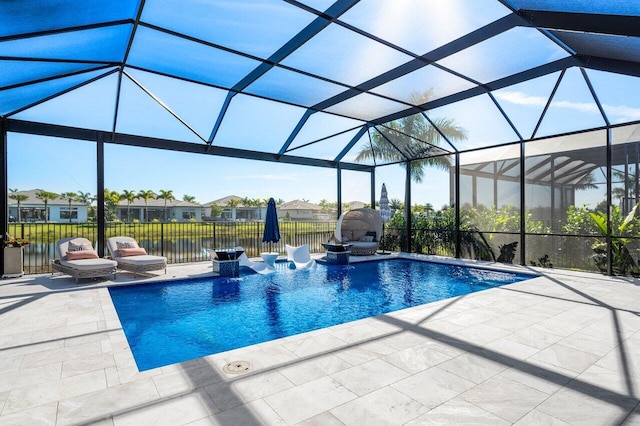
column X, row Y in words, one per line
column 269, row 258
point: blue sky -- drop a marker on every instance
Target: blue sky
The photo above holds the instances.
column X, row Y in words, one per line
column 64, row 165
column 253, row 123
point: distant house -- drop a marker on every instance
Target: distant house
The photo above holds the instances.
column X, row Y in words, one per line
column 234, row 210
column 32, row 209
column 181, row 211
column 299, row 210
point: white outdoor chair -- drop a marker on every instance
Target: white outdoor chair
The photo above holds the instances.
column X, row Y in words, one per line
column 300, row 256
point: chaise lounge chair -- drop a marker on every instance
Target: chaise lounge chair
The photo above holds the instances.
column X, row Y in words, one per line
column 300, row 256
column 259, row 267
column 76, row 257
column 131, row 257
column 362, row 228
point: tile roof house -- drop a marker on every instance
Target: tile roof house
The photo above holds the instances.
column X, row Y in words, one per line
column 181, row 211
column 33, row 209
column 298, row 210
column 233, row 209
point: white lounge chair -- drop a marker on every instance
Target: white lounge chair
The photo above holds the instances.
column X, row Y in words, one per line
column 300, row 256
column 131, row 257
column 259, row 267
column 76, row 257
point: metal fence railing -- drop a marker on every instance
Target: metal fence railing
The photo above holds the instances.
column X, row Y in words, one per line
column 180, row 242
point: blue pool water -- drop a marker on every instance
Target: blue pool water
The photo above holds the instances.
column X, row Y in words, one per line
column 172, row 322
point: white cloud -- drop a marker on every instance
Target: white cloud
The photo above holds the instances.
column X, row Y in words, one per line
column 620, row 112
column 520, row 98
column 624, row 113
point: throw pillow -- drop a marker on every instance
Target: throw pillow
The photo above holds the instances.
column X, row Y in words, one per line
column 78, row 247
column 135, row 251
column 367, row 239
column 82, row 254
column 124, row 245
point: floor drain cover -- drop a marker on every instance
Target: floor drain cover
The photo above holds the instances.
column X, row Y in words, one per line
column 237, row 367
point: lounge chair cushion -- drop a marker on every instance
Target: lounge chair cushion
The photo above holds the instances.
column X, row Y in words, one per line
column 89, row 264
column 135, row 263
column 143, row 259
column 82, row 254
column 124, row 252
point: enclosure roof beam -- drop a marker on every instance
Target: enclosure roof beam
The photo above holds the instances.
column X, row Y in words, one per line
column 53, row 130
column 520, row 77
column 624, row 25
column 475, row 37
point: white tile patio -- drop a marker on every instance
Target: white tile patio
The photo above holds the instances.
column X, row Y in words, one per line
column 562, row 348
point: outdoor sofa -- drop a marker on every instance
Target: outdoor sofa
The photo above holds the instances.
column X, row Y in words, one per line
column 362, row 228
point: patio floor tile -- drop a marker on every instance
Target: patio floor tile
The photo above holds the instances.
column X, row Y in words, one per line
column 558, row 349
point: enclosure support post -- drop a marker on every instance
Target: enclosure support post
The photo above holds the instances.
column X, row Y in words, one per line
column 609, row 240
column 373, row 188
column 407, row 206
column 523, row 222
column 4, row 188
column 100, row 216
column 457, row 204
column 339, row 180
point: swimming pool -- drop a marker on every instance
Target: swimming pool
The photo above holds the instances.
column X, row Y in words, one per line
column 176, row 321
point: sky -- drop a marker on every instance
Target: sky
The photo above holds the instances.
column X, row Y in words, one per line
column 61, row 165
column 252, row 123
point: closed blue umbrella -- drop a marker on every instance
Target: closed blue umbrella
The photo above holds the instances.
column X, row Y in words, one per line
column 271, row 228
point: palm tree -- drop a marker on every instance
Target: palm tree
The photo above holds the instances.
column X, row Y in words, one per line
column 232, row 204
column 146, row 195
column 70, row 197
column 85, row 197
column 166, row 195
column 45, row 196
column 413, row 137
column 259, row 203
column 18, row 198
column 395, row 204
column 189, row 198
column 324, row 206
column 111, row 199
column 130, row 196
